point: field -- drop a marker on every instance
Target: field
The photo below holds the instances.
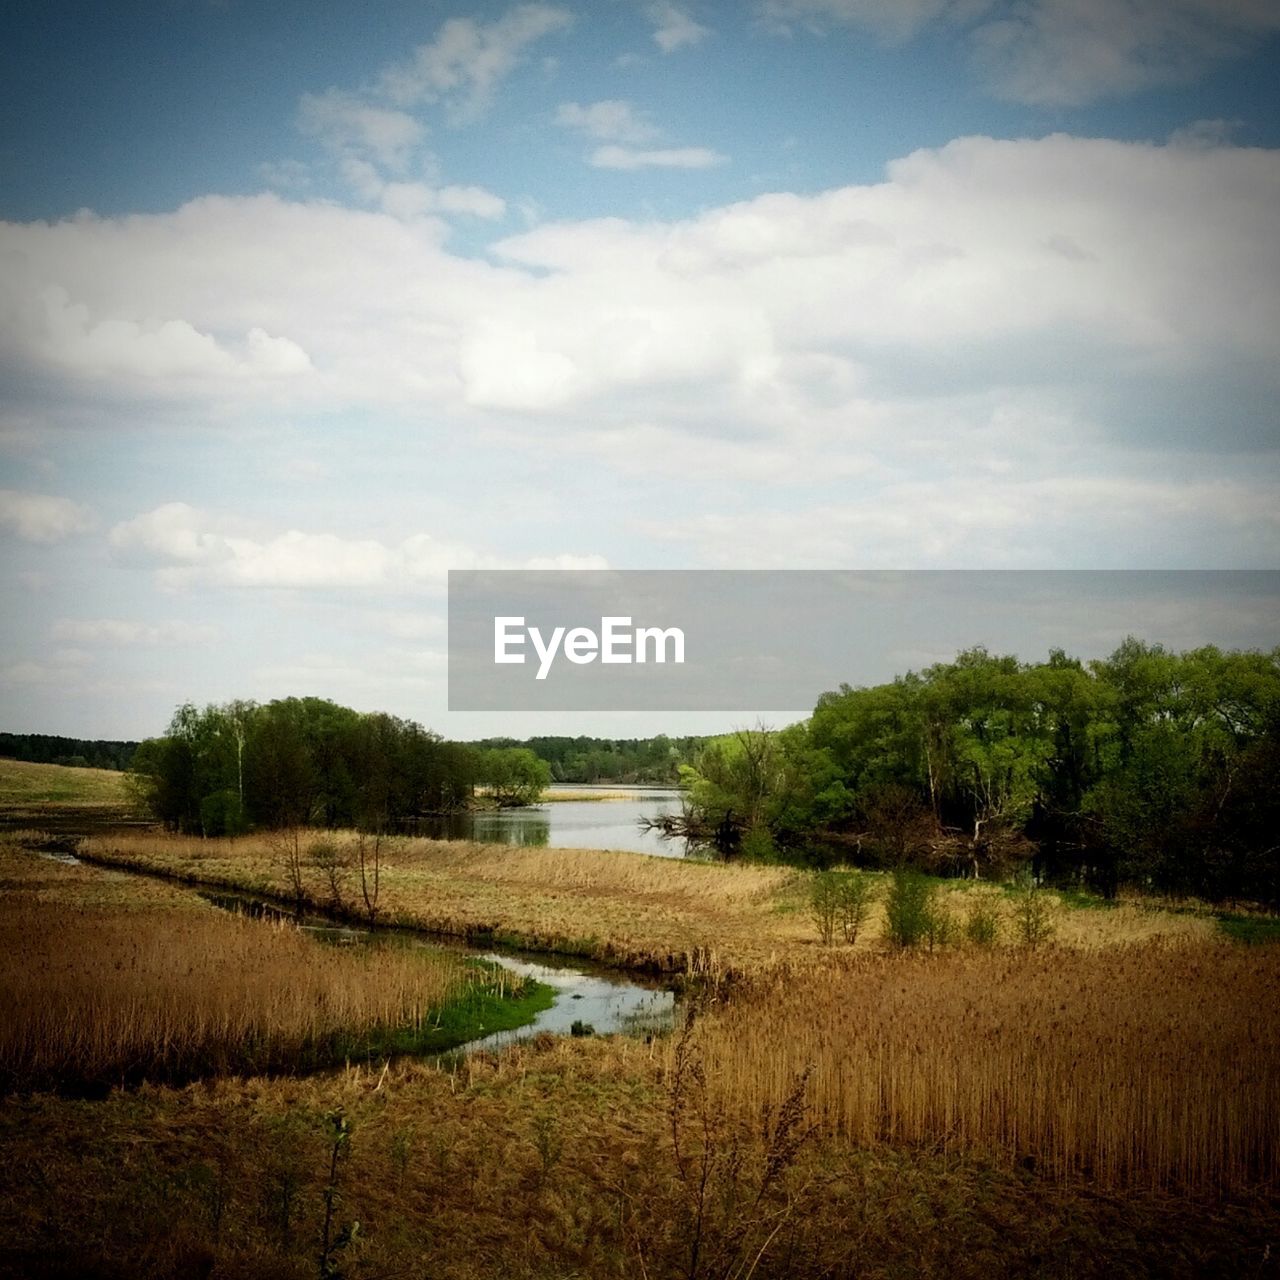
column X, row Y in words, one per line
column 658, row 914
column 1106, row 1103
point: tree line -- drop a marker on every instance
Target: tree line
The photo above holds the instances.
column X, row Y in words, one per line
column 584, row 759
column 1149, row 767
column 44, row 748
column 227, row 768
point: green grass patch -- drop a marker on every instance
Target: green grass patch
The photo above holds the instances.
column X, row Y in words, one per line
column 481, row 1011
column 1251, row 930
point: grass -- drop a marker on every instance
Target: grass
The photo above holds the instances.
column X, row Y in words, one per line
column 658, row 914
column 553, row 1159
column 94, row 992
column 37, row 788
column 1105, row 1105
column 1251, row 930
column 1152, row 1064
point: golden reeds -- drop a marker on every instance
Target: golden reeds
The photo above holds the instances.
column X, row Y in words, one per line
column 95, row 993
column 1154, row 1065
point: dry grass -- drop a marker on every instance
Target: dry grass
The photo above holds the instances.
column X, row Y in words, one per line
column 1155, row 1064
column 553, row 1159
column 660, row 914
column 654, row 913
column 95, row 992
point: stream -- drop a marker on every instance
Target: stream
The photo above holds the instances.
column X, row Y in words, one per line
column 589, row 996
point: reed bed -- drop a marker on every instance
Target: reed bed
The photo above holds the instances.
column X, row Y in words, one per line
column 1149, row 1065
column 622, row 908
column 92, row 994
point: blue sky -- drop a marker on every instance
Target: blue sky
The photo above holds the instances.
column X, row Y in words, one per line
column 303, row 304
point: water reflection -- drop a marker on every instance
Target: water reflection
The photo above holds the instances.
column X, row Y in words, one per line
column 586, row 823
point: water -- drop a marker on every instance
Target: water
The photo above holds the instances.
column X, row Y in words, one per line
column 592, row 996
column 602, row 1003
column 587, row 823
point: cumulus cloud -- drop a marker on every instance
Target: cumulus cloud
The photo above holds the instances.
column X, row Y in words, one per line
column 1062, row 52
column 67, row 332
column 1042, row 306
column 467, row 60
column 615, row 157
column 41, row 517
column 674, row 28
column 187, row 546
column 611, row 120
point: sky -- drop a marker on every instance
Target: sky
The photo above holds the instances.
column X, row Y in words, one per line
column 304, row 304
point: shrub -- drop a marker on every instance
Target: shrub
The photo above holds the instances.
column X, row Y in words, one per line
column 824, row 904
column 909, row 908
column 1033, row 914
column 854, row 898
column 757, row 845
column 940, row 924
column 839, row 901
column 982, row 922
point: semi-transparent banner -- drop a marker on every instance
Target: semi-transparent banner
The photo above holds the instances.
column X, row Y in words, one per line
column 746, row 640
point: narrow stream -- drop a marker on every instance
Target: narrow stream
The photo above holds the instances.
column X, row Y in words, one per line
column 589, row 999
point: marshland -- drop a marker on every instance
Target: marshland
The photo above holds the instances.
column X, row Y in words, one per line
column 861, row 1063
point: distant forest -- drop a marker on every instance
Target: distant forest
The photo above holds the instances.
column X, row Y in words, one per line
column 43, row 748
column 623, row 760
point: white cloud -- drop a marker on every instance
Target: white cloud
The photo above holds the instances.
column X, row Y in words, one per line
column 406, row 200
column 125, row 633
column 347, row 124
column 163, row 351
column 674, row 28
column 611, row 120
column 188, row 547
column 1042, row 306
column 1063, row 52
column 41, row 517
column 615, row 157
column 466, row 61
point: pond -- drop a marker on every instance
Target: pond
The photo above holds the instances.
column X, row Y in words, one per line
column 580, row 817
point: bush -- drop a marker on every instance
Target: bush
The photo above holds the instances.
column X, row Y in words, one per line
column 757, row 845
column 982, row 923
column 940, row 924
column 221, row 814
column 839, row 901
column 855, row 894
column 1033, row 914
column 909, row 909
column 824, row 906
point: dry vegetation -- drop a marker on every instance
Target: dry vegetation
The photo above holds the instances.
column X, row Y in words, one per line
column 554, row 1159
column 1154, row 1064
column 1106, row 1105
column 660, row 914
column 99, row 991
